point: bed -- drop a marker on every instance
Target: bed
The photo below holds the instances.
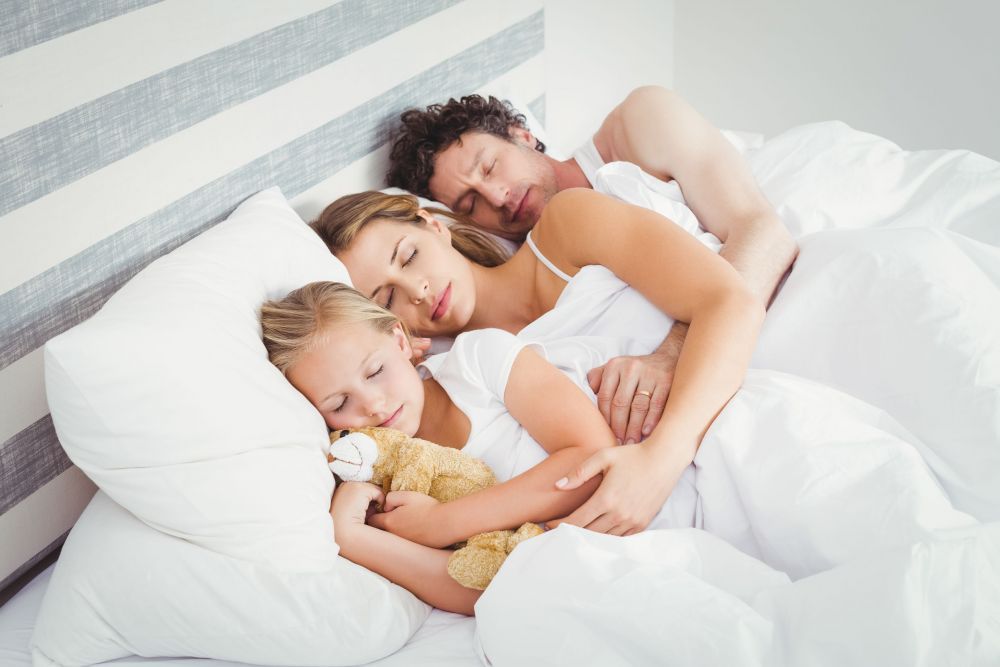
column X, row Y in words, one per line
column 180, row 172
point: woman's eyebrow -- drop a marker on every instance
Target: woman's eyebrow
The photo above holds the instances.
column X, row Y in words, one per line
column 392, row 260
column 395, row 250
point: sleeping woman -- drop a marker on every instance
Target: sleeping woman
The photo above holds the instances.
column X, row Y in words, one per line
column 572, row 269
column 492, row 395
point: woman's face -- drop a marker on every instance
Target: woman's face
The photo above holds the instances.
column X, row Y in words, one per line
column 357, row 376
column 412, row 270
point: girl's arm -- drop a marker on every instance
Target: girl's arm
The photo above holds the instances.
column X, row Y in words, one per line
column 561, row 418
column 688, row 282
column 421, row 570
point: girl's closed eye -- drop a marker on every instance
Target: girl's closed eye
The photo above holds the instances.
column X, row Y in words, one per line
column 343, row 403
column 412, row 256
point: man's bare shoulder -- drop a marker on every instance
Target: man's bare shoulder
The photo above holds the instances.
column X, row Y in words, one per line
column 649, row 128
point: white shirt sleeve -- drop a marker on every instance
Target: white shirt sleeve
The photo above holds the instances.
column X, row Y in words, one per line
column 476, row 369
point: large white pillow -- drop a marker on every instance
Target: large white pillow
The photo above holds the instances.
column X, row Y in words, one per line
column 166, row 399
column 122, row 588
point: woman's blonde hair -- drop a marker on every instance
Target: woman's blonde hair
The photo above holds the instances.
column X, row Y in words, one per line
column 295, row 324
column 341, row 222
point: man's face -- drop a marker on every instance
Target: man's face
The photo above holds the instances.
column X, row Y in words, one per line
column 502, row 185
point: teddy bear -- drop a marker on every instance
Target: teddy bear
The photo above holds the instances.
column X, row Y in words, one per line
column 398, row 462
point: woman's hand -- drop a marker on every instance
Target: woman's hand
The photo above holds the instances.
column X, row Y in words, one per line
column 352, row 504
column 632, row 392
column 637, row 481
column 413, row 516
column 419, row 348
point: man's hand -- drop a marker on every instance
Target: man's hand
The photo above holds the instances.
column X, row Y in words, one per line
column 410, row 515
column 632, row 392
column 637, row 481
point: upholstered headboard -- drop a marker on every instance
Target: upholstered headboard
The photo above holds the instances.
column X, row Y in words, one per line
column 129, row 126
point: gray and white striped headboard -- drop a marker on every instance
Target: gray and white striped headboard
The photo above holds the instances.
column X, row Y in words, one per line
column 129, row 126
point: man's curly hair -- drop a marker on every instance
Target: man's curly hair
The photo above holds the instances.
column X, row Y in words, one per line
column 425, row 133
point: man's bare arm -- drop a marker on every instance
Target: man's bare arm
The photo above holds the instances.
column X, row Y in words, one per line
column 657, row 130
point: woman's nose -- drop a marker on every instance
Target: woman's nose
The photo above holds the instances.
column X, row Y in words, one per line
column 419, row 290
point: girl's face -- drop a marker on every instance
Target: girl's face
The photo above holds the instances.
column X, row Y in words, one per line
column 357, row 376
column 413, row 271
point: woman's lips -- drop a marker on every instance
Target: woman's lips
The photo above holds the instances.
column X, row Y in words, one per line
column 393, row 418
column 441, row 307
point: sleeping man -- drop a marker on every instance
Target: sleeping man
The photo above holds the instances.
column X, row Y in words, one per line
column 476, row 156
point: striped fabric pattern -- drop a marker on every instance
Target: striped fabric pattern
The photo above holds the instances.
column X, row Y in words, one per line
column 130, row 126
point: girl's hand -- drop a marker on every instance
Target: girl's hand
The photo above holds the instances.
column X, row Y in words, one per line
column 411, row 515
column 351, row 505
column 637, row 481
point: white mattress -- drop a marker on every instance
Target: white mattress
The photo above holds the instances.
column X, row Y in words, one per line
column 443, row 640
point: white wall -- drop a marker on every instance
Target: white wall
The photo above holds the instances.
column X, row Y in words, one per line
column 924, row 73
column 595, row 53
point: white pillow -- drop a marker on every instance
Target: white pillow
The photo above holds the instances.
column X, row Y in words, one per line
column 122, row 588
column 166, row 398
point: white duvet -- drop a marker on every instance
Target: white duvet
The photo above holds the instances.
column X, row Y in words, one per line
column 851, row 489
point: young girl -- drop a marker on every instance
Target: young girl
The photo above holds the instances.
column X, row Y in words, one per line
column 575, row 272
column 492, row 395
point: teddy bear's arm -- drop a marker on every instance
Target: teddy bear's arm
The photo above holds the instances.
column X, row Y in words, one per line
column 416, row 467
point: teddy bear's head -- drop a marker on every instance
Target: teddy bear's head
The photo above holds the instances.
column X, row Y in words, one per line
column 352, row 455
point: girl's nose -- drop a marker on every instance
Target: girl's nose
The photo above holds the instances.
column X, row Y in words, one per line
column 375, row 405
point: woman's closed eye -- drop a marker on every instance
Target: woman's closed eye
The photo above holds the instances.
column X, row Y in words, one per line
column 392, row 292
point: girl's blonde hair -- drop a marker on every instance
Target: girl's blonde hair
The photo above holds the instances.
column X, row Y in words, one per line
column 341, row 222
column 293, row 325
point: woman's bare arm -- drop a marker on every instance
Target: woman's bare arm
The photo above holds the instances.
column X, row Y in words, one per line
column 688, row 282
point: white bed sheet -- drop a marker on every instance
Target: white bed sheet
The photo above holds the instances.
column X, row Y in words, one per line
column 443, row 640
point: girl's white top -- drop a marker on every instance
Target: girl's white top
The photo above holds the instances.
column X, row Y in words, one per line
column 475, row 373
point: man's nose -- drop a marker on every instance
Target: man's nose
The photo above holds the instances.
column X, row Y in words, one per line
column 497, row 194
